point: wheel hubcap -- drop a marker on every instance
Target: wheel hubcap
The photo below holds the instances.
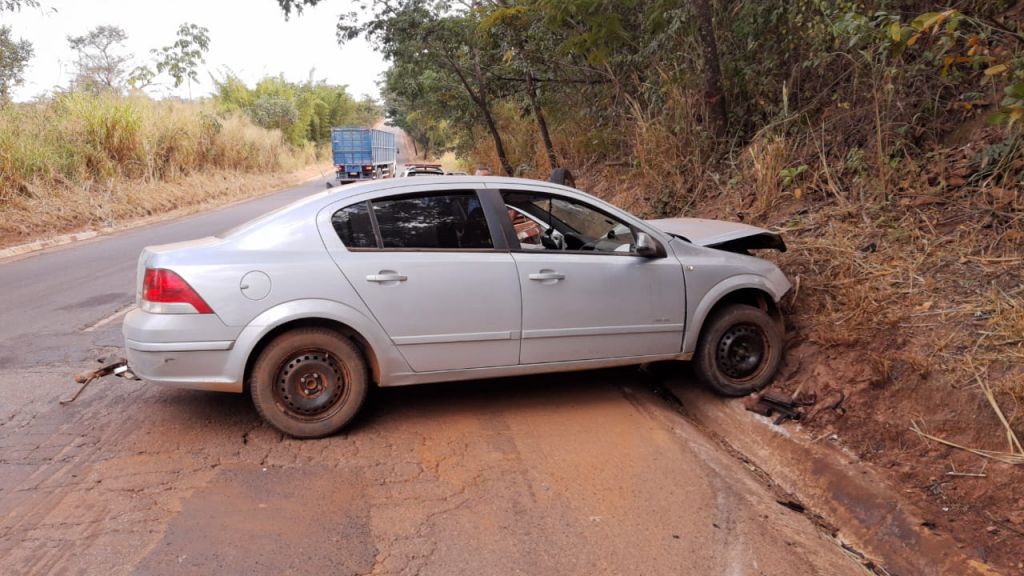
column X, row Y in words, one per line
column 741, row 351
column 309, row 384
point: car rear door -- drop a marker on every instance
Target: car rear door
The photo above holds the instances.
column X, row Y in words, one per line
column 586, row 294
column 428, row 267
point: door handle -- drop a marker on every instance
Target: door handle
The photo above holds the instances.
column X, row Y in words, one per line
column 546, row 275
column 386, row 277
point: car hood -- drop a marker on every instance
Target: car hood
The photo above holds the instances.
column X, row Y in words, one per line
column 732, row 236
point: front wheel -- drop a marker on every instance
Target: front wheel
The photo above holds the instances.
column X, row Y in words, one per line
column 310, row 382
column 739, row 351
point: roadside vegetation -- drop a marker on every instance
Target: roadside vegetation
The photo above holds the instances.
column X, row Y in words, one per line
column 101, row 150
column 883, row 138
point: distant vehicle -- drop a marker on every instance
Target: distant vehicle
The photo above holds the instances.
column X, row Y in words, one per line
column 423, row 170
column 456, row 173
column 363, row 154
column 454, row 278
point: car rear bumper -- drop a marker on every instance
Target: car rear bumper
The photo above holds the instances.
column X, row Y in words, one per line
column 177, row 350
column 194, row 369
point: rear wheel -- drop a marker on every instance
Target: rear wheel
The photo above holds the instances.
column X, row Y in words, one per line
column 739, row 351
column 310, row 382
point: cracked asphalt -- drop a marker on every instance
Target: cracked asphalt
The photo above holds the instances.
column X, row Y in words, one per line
column 588, row 473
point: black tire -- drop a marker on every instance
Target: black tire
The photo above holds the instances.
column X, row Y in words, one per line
column 739, row 351
column 309, row 382
column 563, row 177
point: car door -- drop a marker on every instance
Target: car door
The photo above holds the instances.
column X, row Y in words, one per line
column 428, row 267
column 586, row 294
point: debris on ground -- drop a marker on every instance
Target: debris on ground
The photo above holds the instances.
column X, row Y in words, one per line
column 771, row 402
column 118, row 367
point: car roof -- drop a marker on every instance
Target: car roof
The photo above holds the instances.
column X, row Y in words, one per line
column 310, row 206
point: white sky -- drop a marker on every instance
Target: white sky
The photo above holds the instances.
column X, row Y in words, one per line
column 250, row 37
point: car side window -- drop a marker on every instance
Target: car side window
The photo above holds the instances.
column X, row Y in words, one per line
column 548, row 222
column 354, row 226
column 433, row 221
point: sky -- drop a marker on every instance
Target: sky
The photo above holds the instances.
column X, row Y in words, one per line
column 249, row 37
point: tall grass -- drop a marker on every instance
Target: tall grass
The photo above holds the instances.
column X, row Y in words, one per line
column 83, row 140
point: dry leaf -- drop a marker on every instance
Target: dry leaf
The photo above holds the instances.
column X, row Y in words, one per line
column 924, row 201
column 1001, row 197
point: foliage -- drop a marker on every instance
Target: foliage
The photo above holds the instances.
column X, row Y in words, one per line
column 14, row 57
column 100, row 65
column 303, row 112
column 80, row 138
column 181, row 59
column 15, row 5
column 887, row 77
column 141, row 77
column 274, row 112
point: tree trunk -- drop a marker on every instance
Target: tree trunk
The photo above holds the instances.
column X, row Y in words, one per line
column 485, row 108
column 480, row 99
column 542, row 124
column 712, row 67
column 499, row 146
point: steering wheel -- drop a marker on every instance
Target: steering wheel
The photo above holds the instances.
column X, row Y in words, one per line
column 552, row 242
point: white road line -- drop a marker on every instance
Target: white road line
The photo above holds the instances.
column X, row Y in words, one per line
column 100, row 324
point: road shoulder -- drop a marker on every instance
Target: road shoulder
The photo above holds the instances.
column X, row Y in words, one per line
column 829, row 483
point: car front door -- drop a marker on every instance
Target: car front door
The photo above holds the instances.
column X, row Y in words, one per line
column 587, row 295
column 427, row 266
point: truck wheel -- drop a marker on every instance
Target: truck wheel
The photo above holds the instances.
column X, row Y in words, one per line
column 739, row 350
column 309, row 383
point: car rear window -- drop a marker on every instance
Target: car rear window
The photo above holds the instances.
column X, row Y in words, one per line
column 354, row 227
column 449, row 220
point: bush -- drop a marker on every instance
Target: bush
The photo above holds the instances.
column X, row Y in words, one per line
column 81, row 139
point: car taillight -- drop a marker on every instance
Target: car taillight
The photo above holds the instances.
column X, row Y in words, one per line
column 164, row 292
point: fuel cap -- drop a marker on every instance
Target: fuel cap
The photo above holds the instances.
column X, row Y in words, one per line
column 255, row 285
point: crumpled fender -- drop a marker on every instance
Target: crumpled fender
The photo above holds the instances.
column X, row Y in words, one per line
column 775, row 287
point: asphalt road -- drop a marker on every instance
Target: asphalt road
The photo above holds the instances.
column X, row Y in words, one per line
column 588, row 473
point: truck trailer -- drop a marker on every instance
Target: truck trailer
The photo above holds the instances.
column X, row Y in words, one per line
column 363, row 154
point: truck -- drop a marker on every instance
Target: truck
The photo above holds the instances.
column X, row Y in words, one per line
column 363, row 154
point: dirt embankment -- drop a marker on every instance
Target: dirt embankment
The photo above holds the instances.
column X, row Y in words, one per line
column 909, row 315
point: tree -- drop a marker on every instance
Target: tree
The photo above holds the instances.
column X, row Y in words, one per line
column 511, row 28
column 141, row 77
column 15, row 5
column 181, row 60
column 274, row 113
column 14, row 57
column 436, row 36
column 302, row 112
column 100, row 66
column 712, row 67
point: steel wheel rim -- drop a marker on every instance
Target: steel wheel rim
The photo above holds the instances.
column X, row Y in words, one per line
column 311, row 385
column 742, row 351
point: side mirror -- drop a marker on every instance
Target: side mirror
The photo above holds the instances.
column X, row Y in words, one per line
column 647, row 246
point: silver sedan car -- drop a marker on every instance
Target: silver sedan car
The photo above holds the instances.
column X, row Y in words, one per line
column 409, row 281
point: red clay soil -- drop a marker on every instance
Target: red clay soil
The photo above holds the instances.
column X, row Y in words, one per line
column 979, row 502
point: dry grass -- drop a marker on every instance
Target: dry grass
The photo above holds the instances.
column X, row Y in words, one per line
column 919, row 260
column 79, row 160
column 133, row 202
